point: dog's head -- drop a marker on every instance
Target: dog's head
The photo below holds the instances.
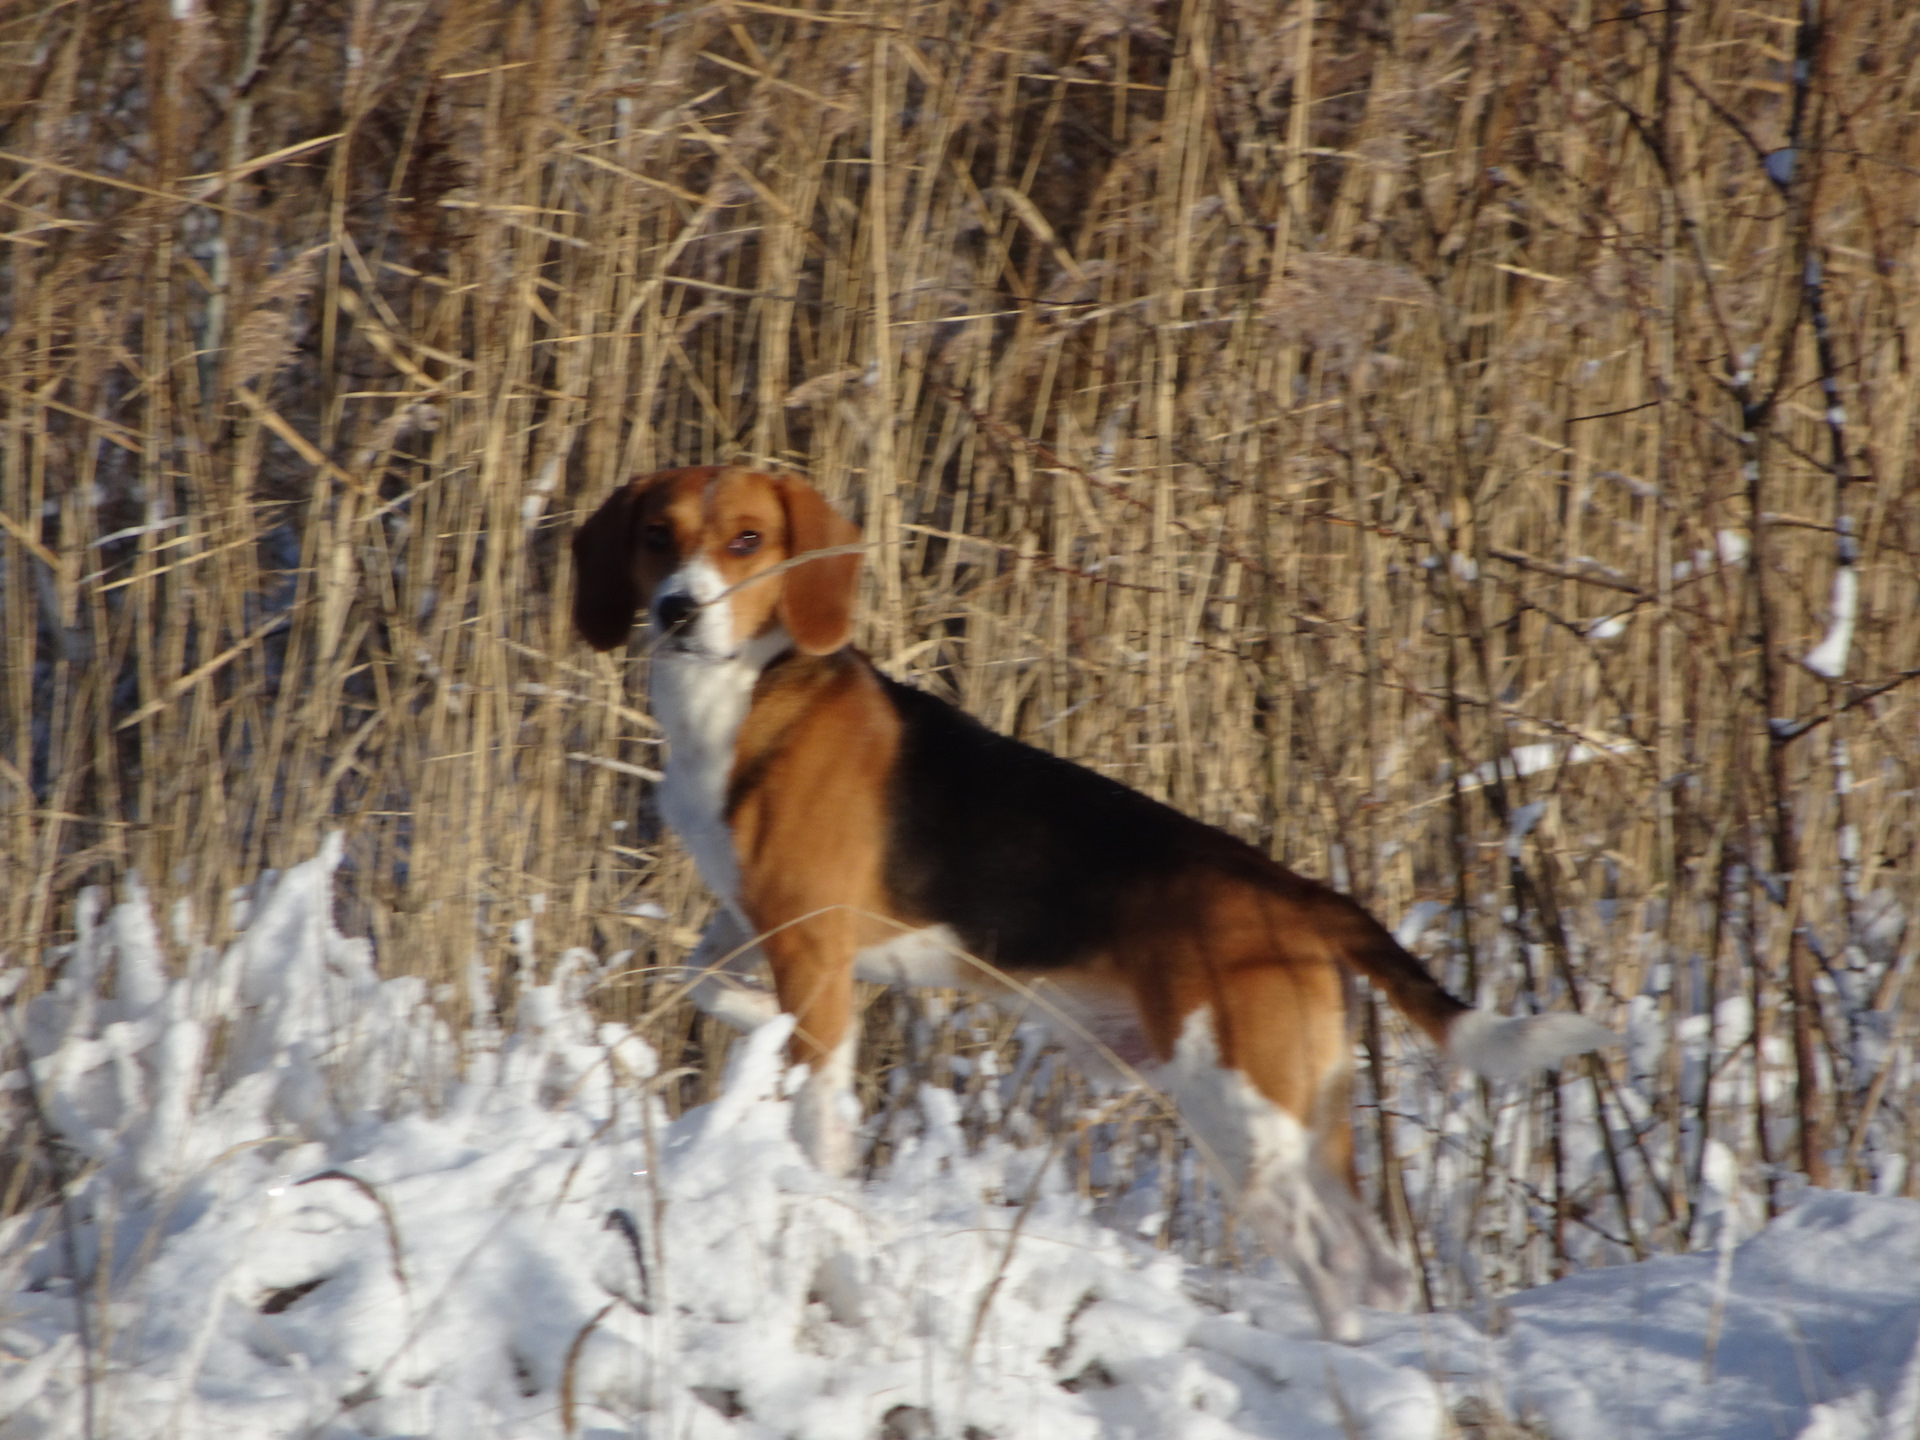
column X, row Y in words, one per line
column 706, row 551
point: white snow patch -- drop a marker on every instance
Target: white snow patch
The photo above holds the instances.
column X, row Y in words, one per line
column 1532, row 759
column 1829, row 657
column 1521, row 825
column 1609, row 627
column 307, row 1208
column 1730, row 547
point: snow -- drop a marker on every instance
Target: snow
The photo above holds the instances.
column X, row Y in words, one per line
column 1730, row 548
column 1609, row 627
column 1829, row 657
column 1537, row 757
column 307, row 1207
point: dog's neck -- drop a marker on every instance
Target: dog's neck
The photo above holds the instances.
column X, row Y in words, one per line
column 700, row 699
column 701, row 702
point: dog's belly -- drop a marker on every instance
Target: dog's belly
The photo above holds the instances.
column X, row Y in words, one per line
column 931, row 957
column 1096, row 1020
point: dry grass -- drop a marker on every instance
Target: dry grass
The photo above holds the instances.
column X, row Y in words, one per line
column 1291, row 412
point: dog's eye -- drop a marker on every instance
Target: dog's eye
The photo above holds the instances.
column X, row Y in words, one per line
column 657, row 537
column 745, row 543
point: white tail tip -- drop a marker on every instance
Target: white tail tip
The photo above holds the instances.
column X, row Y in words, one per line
column 1503, row 1048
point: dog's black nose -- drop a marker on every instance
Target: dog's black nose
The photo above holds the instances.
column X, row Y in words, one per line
column 675, row 610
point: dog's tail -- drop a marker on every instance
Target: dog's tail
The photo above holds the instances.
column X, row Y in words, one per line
column 1496, row 1046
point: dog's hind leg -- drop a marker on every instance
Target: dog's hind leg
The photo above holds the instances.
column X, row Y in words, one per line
column 1285, row 1176
column 1309, row 1217
column 1261, row 1071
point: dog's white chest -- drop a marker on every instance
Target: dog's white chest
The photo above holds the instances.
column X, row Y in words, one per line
column 701, row 704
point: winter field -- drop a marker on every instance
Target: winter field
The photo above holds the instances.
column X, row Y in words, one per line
column 1468, row 449
column 310, row 1209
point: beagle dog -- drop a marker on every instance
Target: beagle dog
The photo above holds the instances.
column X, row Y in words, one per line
column 853, row 825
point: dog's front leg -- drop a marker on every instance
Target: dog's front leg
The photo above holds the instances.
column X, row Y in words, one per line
column 720, row 974
column 812, row 963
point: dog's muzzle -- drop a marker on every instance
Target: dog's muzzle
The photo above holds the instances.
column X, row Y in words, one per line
column 673, row 613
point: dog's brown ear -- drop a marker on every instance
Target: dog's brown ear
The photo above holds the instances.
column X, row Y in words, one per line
column 606, row 594
column 816, row 602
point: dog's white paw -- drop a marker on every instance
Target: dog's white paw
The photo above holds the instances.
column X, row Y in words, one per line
column 739, row 1003
column 826, row 1117
column 745, row 1007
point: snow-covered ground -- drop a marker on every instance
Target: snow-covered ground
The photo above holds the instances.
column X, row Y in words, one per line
column 303, row 1207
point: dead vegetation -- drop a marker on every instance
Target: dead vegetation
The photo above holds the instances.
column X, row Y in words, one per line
column 1434, row 444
